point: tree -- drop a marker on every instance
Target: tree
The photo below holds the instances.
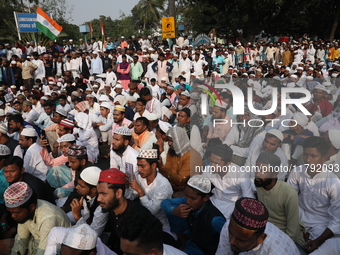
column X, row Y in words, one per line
column 253, row 16
column 148, row 12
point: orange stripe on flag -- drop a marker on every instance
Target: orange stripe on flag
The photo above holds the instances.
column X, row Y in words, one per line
column 45, row 16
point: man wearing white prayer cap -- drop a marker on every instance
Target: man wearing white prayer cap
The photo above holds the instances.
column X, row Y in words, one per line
column 103, row 123
column 219, row 115
column 270, row 142
column 149, row 185
column 79, row 239
column 318, row 104
column 131, row 102
column 122, row 154
column 195, row 211
column 86, row 209
column 295, row 136
column 33, row 162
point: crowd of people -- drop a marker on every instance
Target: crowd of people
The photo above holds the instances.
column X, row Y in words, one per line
column 109, row 147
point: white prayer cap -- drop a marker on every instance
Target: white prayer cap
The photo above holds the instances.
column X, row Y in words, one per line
column 88, row 89
column 66, row 138
column 245, row 74
column 95, row 52
column 334, row 75
column 287, row 68
column 30, row 132
column 48, row 94
column 75, row 93
column 311, row 68
column 3, row 128
column 122, row 37
column 293, row 76
column 90, row 175
column 334, row 137
column 310, row 78
column 123, row 131
column 13, row 87
column 220, row 104
column 132, row 99
column 102, row 75
column 90, row 95
column 251, row 75
column 276, row 133
column 13, row 62
column 164, row 126
column 118, row 86
column 81, row 237
column 152, row 116
column 321, row 87
column 151, row 49
column 300, row 118
column 321, row 63
column 91, row 78
column 106, row 105
column 2, row 113
column 4, row 150
column 148, row 154
column 62, row 112
column 299, row 68
column 104, row 98
column 185, row 93
column 195, row 96
column 71, row 40
column 200, row 183
column 327, row 83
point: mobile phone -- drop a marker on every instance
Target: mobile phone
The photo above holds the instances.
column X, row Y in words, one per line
column 129, row 170
column 44, row 137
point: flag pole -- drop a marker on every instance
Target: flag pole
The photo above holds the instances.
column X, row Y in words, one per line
column 16, row 22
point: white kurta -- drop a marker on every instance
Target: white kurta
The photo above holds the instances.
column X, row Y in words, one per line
column 276, row 242
column 157, row 191
column 229, row 188
column 33, row 162
column 129, row 156
column 319, row 205
column 40, row 72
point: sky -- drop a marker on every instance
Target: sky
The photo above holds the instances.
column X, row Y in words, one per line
column 86, row 10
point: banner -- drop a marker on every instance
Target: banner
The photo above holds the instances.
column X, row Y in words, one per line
column 168, row 27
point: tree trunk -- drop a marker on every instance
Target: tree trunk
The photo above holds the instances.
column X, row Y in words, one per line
column 335, row 25
column 172, row 8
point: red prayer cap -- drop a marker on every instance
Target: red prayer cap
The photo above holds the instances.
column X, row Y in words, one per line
column 112, row 175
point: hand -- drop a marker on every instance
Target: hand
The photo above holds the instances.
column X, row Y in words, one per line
column 43, row 143
column 182, row 211
column 311, row 245
column 160, row 143
column 76, row 206
column 135, row 186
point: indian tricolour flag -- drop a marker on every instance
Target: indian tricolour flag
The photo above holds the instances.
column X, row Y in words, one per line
column 47, row 25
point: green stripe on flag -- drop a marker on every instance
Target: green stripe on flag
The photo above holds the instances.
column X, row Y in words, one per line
column 46, row 31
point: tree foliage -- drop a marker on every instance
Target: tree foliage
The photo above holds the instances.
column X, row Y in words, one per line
column 253, row 16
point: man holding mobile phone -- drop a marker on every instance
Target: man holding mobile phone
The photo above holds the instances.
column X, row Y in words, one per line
column 150, row 186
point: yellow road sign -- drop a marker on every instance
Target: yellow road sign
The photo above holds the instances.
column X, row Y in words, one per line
column 168, row 27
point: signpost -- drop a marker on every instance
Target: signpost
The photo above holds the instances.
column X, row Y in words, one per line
column 26, row 23
column 168, row 27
